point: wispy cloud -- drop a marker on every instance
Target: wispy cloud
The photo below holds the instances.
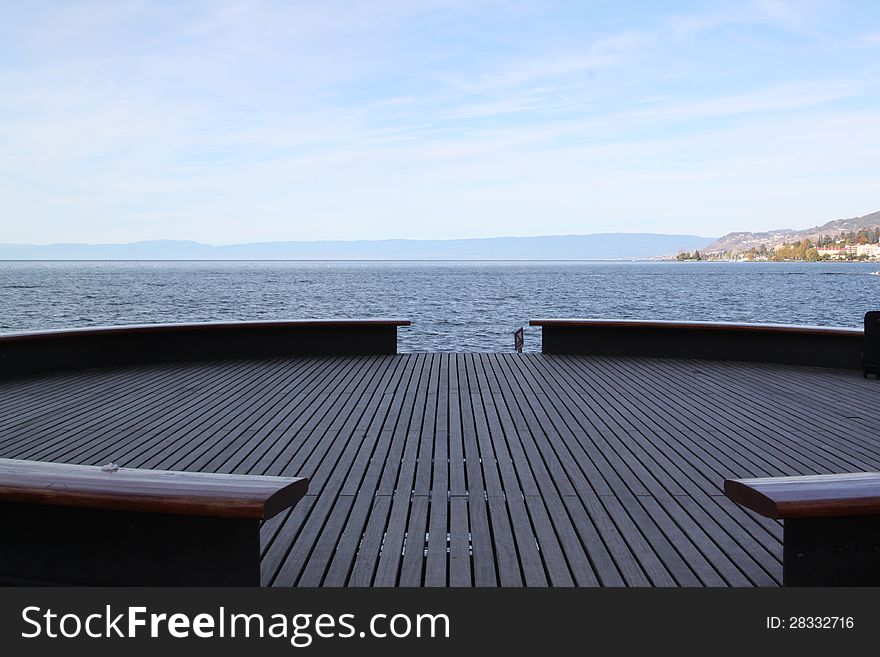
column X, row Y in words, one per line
column 238, row 121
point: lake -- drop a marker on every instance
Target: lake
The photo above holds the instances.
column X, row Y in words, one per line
column 454, row 306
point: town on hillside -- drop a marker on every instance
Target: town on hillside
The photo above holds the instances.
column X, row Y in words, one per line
column 861, row 245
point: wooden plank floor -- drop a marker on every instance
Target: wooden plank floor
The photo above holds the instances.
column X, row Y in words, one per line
column 475, row 469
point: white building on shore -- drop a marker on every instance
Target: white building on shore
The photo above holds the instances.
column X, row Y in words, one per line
column 869, row 250
column 841, row 252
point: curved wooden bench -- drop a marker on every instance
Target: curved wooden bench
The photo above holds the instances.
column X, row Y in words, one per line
column 44, row 351
column 77, row 524
column 831, row 529
column 770, row 343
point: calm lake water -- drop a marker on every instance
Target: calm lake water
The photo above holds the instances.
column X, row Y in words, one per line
column 454, row 306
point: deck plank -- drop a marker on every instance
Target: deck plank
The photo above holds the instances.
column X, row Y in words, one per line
column 474, row 469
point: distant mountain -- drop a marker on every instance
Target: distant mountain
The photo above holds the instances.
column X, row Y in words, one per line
column 598, row 246
column 743, row 241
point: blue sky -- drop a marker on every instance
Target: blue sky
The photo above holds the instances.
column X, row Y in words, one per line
column 254, row 120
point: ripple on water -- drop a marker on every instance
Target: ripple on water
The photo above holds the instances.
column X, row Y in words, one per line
column 454, row 306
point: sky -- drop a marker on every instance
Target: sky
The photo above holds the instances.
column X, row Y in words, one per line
column 246, row 121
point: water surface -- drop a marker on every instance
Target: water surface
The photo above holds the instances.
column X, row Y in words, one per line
column 455, row 306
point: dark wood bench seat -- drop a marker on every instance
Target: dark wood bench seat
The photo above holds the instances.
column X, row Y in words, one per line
column 812, row 496
column 78, row 524
column 831, row 529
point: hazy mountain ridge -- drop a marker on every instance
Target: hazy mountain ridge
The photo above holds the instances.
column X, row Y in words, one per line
column 745, row 240
column 596, row 246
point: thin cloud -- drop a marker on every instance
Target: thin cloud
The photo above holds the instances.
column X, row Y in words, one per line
column 233, row 121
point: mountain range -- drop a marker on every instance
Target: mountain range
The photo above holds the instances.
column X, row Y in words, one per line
column 743, row 241
column 597, row 246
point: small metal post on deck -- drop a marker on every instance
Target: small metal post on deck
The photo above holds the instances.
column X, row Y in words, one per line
column 518, row 340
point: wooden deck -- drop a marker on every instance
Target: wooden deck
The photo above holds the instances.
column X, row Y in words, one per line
column 475, row 469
